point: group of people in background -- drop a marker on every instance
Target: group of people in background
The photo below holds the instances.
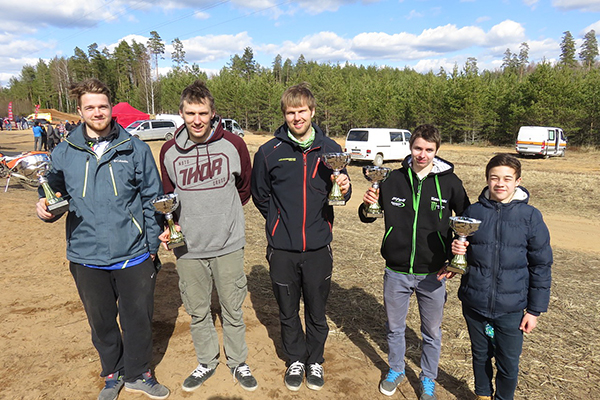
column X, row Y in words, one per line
column 46, row 136
column 114, row 234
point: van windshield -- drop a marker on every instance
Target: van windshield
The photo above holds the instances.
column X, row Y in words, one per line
column 358, row 136
column 133, row 125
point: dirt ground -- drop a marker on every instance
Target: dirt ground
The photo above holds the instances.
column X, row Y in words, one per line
column 46, row 351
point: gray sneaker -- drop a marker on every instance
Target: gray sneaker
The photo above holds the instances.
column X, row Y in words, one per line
column 242, row 374
column 294, row 376
column 197, row 377
column 391, row 381
column 314, row 376
column 148, row 385
column 427, row 387
column 112, row 386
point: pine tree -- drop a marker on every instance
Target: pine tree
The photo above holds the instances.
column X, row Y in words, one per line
column 567, row 50
column 589, row 49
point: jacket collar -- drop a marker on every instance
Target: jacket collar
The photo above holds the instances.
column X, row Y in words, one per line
column 77, row 137
column 183, row 142
column 282, row 134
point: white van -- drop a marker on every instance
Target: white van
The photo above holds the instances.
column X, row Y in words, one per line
column 149, row 129
column 232, row 126
column 542, row 141
column 377, row 144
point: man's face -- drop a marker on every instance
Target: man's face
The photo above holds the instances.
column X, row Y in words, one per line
column 197, row 117
column 423, row 153
column 96, row 112
column 298, row 120
column 502, row 183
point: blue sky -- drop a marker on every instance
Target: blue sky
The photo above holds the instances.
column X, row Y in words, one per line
column 421, row 34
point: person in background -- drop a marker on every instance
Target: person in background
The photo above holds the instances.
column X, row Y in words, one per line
column 37, row 136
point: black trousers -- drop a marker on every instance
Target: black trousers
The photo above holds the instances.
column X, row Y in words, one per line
column 306, row 274
column 128, row 293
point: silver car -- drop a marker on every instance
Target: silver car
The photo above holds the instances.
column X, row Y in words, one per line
column 151, row 129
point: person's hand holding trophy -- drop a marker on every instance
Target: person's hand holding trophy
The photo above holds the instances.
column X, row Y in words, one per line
column 166, row 204
column 337, row 162
column 463, row 227
column 37, row 166
column 375, row 175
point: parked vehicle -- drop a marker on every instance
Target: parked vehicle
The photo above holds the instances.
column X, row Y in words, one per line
column 173, row 117
column 23, row 168
column 232, row 126
column 541, row 141
column 150, row 129
column 377, row 144
column 40, row 116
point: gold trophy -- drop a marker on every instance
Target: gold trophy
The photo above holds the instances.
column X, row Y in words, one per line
column 336, row 161
column 37, row 166
column 166, row 204
column 463, row 227
column 375, row 175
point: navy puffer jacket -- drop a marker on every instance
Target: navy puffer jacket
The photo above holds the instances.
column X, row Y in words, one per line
column 509, row 258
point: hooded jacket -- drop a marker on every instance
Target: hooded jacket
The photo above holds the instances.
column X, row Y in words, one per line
column 290, row 189
column 509, row 258
column 110, row 217
column 212, row 181
column 416, row 213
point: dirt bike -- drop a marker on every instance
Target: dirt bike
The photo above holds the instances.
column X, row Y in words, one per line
column 20, row 168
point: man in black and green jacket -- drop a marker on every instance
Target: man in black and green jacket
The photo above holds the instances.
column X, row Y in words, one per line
column 417, row 200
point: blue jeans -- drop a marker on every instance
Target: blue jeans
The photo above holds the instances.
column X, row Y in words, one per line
column 431, row 297
column 507, row 346
column 196, row 278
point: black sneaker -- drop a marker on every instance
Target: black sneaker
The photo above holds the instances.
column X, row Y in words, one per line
column 314, row 377
column 294, row 376
column 149, row 386
column 197, row 377
column 112, row 386
column 242, row 374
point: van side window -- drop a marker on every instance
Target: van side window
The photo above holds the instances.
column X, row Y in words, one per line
column 396, row 136
column 146, row 125
column 358, row 136
column 406, row 136
column 162, row 124
column 551, row 134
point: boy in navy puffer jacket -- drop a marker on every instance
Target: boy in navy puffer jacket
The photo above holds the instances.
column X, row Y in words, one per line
column 507, row 285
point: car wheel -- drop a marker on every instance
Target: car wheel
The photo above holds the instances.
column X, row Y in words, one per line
column 136, row 136
column 169, row 136
column 29, row 184
column 378, row 160
column 562, row 153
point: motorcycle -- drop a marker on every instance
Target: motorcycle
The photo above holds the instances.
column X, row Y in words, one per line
column 21, row 167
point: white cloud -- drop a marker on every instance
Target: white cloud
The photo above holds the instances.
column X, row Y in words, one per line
column 201, row 15
column 506, row 32
column 531, row 3
column 414, row 14
column 595, row 26
column 583, row 5
column 201, row 49
column 482, row 19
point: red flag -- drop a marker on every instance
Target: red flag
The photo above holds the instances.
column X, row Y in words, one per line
column 10, row 114
column 37, row 109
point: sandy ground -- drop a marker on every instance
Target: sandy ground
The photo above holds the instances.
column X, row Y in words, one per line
column 45, row 346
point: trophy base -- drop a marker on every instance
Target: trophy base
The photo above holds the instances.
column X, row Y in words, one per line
column 58, row 208
column 172, row 245
column 336, row 202
column 456, row 270
column 374, row 215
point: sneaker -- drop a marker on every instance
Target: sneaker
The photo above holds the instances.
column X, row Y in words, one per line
column 392, row 380
column 197, row 377
column 112, row 386
column 314, row 377
column 484, row 397
column 427, row 389
column 148, row 385
column 242, row 374
column 294, row 376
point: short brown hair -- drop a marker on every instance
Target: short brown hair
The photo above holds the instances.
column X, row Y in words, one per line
column 91, row 85
column 429, row 133
column 197, row 93
column 504, row 160
column 296, row 96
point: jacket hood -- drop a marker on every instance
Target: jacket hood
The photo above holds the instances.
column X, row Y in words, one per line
column 77, row 137
column 182, row 136
column 440, row 166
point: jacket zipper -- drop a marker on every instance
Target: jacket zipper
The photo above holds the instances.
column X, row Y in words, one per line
column 416, row 204
column 304, row 204
column 85, row 179
column 496, row 264
column 112, row 177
